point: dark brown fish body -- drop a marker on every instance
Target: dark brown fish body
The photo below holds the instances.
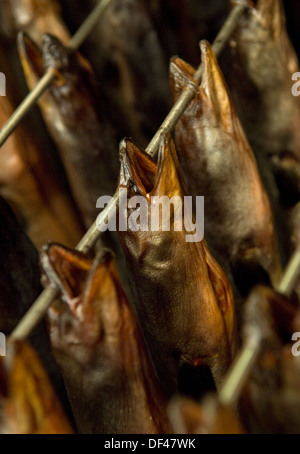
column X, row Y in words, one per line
column 85, row 139
column 183, row 299
column 180, row 25
column 28, row 404
column 219, row 165
column 272, row 316
column 258, row 66
column 127, row 56
column 20, row 286
column 207, row 417
column 29, row 184
column 97, row 343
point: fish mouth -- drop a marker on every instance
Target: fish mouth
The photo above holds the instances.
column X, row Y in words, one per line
column 138, row 170
column 66, row 270
column 91, row 291
column 141, row 175
column 31, row 58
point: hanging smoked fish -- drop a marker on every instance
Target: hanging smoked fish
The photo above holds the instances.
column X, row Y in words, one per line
column 259, row 66
column 30, row 186
column 28, row 404
column 76, row 120
column 207, row 417
column 271, row 316
column 183, row 299
column 19, row 287
column 127, row 57
column 181, row 24
column 219, row 165
column 96, row 340
column 35, row 17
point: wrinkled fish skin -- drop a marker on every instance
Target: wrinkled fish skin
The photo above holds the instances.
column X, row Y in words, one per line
column 273, row 316
column 207, row 417
column 183, row 299
column 219, row 165
column 28, row 404
column 98, row 345
column 20, row 286
column 36, row 17
column 75, row 119
column 258, row 67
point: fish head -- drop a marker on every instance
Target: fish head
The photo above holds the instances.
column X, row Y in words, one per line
column 145, row 183
column 91, row 320
column 211, row 116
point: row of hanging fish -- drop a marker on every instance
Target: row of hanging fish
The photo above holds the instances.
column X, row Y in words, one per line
column 149, row 357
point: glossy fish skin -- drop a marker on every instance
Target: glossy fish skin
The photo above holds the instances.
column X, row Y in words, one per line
column 98, row 345
column 36, row 17
column 273, row 316
column 262, row 56
column 85, row 138
column 31, row 187
column 219, row 165
column 28, row 404
column 206, row 417
column 183, row 299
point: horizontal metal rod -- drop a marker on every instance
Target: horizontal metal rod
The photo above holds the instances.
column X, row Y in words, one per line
column 242, row 366
column 49, row 76
column 40, row 306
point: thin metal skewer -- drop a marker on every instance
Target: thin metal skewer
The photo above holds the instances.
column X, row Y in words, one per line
column 241, row 367
column 49, row 75
column 40, row 306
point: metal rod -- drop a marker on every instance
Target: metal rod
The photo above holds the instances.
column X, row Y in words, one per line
column 188, row 94
column 239, row 371
column 242, row 365
column 40, row 306
column 35, row 313
column 26, row 105
column 49, row 76
column 291, row 275
column 91, row 21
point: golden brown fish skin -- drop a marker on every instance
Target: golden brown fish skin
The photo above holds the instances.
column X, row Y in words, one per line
column 29, row 185
column 35, row 17
column 206, row 417
column 219, row 165
column 183, row 299
column 85, row 138
column 262, row 57
column 273, row 316
column 99, row 347
column 28, row 404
